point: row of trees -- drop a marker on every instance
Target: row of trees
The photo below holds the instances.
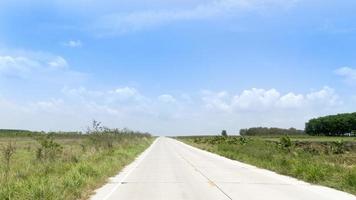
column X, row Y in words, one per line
column 96, row 128
column 332, row 125
column 269, row 131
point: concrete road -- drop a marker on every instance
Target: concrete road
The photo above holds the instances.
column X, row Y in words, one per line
column 171, row 170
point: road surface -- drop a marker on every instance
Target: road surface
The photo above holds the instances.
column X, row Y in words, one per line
column 171, row 170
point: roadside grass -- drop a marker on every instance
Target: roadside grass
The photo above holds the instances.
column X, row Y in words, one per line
column 63, row 166
column 327, row 162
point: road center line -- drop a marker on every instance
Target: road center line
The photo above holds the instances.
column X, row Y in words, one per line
column 205, row 176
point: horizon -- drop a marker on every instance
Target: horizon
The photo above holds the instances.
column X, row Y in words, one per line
column 176, row 67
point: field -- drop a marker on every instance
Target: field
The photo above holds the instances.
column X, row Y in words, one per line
column 63, row 166
column 328, row 161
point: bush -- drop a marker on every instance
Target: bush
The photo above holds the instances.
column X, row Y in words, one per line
column 243, row 140
column 49, row 150
column 8, row 152
column 338, row 147
column 285, row 142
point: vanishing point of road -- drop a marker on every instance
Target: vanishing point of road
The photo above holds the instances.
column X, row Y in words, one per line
column 171, row 170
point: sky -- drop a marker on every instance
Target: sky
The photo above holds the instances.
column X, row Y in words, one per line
column 175, row 67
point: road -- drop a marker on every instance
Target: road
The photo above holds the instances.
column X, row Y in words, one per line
column 171, row 170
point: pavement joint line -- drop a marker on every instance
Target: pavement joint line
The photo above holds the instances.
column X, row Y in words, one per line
column 142, row 157
column 232, row 182
column 209, row 180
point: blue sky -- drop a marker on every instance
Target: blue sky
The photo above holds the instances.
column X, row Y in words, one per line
column 175, row 67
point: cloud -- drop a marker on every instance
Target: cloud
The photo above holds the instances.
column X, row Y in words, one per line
column 166, row 98
column 52, row 105
column 291, row 100
column 81, row 92
column 25, row 65
column 58, row 63
column 125, row 92
column 218, row 101
column 349, row 74
column 123, row 98
column 37, row 68
column 324, row 97
column 121, row 23
column 167, row 114
column 255, row 99
column 259, row 100
column 17, row 65
column 73, row 43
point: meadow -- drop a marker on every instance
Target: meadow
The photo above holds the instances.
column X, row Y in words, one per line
column 328, row 161
column 64, row 165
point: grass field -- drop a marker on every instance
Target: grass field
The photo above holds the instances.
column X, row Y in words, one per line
column 63, row 166
column 328, row 161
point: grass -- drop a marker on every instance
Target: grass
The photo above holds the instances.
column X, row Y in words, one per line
column 319, row 160
column 63, row 166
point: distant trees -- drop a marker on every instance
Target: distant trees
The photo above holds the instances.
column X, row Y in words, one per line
column 224, row 133
column 269, row 131
column 332, row 125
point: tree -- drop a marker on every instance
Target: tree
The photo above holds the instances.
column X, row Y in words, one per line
column 224, row 133
column 332, row 125
column 256, row 131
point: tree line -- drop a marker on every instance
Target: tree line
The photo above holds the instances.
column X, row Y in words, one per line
column 332, row 125
column 269, row 131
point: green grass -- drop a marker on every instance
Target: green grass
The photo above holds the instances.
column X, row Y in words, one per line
column 318, row 160
column 70, row 170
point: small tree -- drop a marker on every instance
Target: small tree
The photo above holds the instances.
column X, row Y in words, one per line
column 285, row 142
column 224, row 133
column 49, row 149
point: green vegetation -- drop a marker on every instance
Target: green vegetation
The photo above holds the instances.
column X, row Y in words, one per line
column 224, row 133
column 263, row 131
column 332, row 125
column 64, row 165
column 330, row 162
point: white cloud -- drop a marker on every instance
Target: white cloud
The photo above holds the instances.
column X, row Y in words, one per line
column 124, row 98
column 73, row 43
column 52, row 105
column 267, row 100
column 81, row 92
column 255, row 99
column 166, row 114
column 291, row 100
column 17, row 65
column 37, row 68
column 58, row 63
column 119, row 23
column 324, row 97
column 166, row 98
column 216, row 101
column 125, row 92
column 29, row 63
column 349, row 74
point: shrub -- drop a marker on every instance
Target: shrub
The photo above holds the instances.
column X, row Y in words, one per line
column 285, row 142
column 8, row 151
column 338, row 147
column 49, row 149
column 243, row 140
